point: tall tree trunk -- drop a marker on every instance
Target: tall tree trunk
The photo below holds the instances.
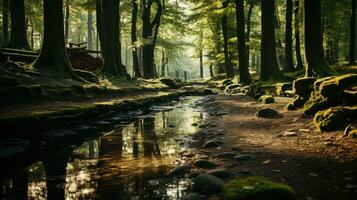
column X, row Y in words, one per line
column 201, row 52
column 244, row 76
column 289, row 63
column 90, row 29
column 279, row 42
column 111, row 54
column 149, row 32
column 224, row 21
column 299, row 62
column 5, row 22
column 269, row 64
column 134, row 17
column 163, row 62
column 250, row 11
column 18, row 36
column 100, row 25
column 352, row 33
column 313, row 41
column 66, row 23
column 53, row 54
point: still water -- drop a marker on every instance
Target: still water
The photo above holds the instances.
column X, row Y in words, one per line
column 128, row 162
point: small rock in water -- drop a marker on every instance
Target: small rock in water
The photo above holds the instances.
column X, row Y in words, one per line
column 226, row 155
column 192, row 196
column 205, row 164
column 180, row 170
column 222, row 173
column 211, row 144
column 243, row 158
column 208, row 184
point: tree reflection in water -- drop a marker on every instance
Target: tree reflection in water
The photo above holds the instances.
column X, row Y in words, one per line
column 128, row 162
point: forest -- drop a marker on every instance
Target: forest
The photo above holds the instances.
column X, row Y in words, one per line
column 178, row 99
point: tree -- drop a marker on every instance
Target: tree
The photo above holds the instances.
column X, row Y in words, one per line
column 244, row 75
column 299, row 63
column 224, row 21
column 352, row 33
column 269, row 64
column 201, row 51
column 289, row 64
column 5, row 22
column 134, row 16
column 90, row 29
column 66, row 22
column 111, row 44
column 53, row 54
column 98, row 12
column 150, row 31
column 18, row 37
column 315, row 57
column 249, row 20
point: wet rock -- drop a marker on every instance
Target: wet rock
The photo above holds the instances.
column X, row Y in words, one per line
column 222, row 173
column 228, row 155
column 208, row 92
column 257, row 188
column 180, row 170
column 267, row 113
column 208, row 184
column 192, row 196
column 211, row 144
column 205, row 164
column 266, row 99
column 244, row 157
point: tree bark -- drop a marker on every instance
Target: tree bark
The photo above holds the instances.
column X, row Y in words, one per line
column 5, row 22
column 53, row 54
column 289, row 63
column 299, row 62
column 90, row 29
column 66, row 23
column 201, row 52
column 163, row 62
column 134, row 17
column 112, row 56
column 244, row 76
column 149, row 33
column 352, row 33
column 317, row 64
column 269, row 64
column 224, row 22
column 18, row 36
column 250, row 11
column 100, row 25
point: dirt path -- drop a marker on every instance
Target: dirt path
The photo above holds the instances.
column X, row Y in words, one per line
column 317, row 165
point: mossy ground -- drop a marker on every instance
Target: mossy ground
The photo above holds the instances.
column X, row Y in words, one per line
column 257, row 188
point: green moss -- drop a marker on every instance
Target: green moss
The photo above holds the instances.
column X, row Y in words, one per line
column 281, row 88
column 266, row 99
column 335, row 118
column 257, row 188
column 303, row 86
column 353, row 133
column 333, row 88
column 170, row 83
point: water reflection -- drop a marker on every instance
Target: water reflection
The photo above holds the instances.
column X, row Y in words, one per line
column 126, row 163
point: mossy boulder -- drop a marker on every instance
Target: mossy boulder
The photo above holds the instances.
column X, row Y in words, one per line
column 332, row 89
column 207, row 91
column 208, row 184
column 282, row 88
column 170, row 83
column 353, row 133
column 262, row 88
column 257, row 188
column 267, row 113
column 266, row 99
column 335, row 118
column 303, row 86
column 231, row 87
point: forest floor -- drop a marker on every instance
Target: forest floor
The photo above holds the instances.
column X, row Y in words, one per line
column 287, row 149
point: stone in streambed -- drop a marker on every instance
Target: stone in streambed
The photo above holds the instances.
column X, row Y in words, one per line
column 205, row 164
column 208, row 184
column 222, row 173
column 192, row 196
column 180, row 170
column 267, row 113
column 227, row 155
column 211, row 144
column 240, row 158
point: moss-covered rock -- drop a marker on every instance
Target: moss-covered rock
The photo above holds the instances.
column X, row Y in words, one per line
column 262, row 88
column 303, row 86
column 170, row 83
column 257, row 188
column 266, row 99
column 335, row 118
column 267, row 113
column 282, row 88
column 353, row 133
